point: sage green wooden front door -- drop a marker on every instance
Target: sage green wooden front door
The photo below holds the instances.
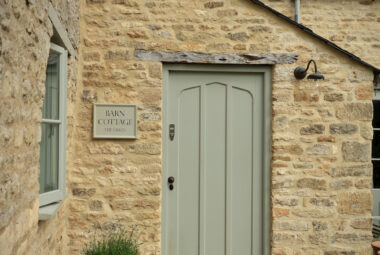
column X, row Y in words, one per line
column 216, row 155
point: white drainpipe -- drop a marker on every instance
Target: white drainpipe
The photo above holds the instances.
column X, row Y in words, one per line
column 297, row 11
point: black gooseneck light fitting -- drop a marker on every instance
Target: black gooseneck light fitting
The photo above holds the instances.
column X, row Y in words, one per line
column 300, row 72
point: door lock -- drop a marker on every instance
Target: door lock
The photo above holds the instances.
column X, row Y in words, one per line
column 171, row 181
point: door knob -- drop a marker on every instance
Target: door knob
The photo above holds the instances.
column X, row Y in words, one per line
column 171, row 181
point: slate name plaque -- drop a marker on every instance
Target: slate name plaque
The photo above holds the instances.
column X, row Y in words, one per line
column 115, row 121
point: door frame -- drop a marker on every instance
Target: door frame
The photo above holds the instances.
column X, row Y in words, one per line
column 266, row 125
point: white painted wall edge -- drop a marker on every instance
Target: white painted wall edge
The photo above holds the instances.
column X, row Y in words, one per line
column 60, row 30
column 48, row 211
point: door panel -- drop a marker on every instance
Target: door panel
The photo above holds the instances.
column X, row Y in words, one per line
column 241, row 165
column 214, row 175
column 216, row 158
column 188, row 177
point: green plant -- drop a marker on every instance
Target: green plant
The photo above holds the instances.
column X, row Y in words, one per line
column 113, row 243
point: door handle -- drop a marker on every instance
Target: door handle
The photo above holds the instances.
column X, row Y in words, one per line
column 171, row 181
column 171, row 131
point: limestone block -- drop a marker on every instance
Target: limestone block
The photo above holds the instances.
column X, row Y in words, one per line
column 320, row 225
column 302, row 95
column 83, row 192
column 354, row 203
column 288, row 238
column 294, row 225
column 364, row 92
column 319, row 238
column 322, row 202
column 339, row 251
column 117, row 55
column 364, row 184
column 303, row 165
column 95, row 1
column 341, row 184
column 326, row 139
column 361, row 223
column 313, row 213
column 150, row 116
column 215, row 4
column 241, row 36
column 280, row 212
column 343, row 128
column 356, row 152
column 366, row 131
column 351, row 238
column 107, row 148
column 332, row 97
column 96, row 205
column 312, row 183
column 291, row 149
column 355, row 170
column 91, row 56
column 282, row 251
column 147, row 148
column 312, row 129
column 354, row 111
column 318, row 149
column 227, row 12
column 286, row 201
column 283, row 184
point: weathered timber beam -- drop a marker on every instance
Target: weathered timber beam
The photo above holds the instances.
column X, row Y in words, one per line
column 214, row 58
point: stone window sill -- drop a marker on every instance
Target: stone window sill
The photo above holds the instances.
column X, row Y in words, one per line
column 48, row 211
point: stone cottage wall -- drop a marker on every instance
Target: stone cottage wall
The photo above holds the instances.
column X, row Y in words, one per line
column 25, row 32
column 321, row 169
column 351, row 24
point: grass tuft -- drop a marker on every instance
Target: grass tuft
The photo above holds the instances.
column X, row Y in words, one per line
column 114, row 243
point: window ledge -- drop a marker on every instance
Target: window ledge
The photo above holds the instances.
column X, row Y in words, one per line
column 48, row 211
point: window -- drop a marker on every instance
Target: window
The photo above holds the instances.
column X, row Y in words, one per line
column 53, row 129
column 376, row 158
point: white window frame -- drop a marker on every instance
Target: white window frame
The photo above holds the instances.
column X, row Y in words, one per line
column 59, row 194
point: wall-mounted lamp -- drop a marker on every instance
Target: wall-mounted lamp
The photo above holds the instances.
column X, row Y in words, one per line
column 300, row 72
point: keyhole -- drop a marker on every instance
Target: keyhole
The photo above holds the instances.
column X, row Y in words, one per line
column 171, row 186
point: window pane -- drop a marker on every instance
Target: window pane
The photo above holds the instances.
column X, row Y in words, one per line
column 50, row 108
column 376, row 173
column 376, row 144
column 376, row 113
column 49, row 157
column 376, row 205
